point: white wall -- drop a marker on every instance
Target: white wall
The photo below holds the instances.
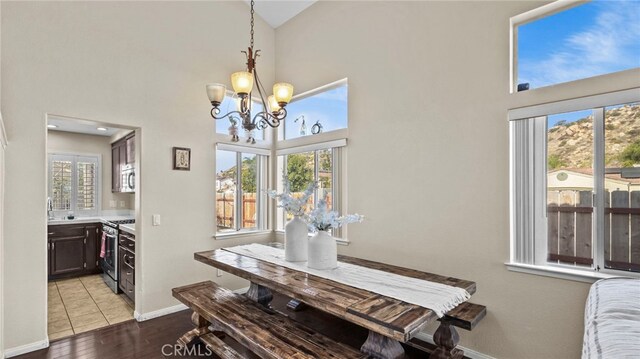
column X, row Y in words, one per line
column 137, row 64
column 431, row 80
column 68, row 142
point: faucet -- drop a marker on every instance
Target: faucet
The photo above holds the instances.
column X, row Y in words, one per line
column 49, row 208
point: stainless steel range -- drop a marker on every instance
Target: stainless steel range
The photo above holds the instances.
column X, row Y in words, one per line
column 109, row 262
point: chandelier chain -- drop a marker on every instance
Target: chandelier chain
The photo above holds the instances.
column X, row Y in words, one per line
column 252, row 12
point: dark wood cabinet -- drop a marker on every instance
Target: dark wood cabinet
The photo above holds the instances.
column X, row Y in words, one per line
column 127, row 264
column 130, row 150
column 73, row 249
column 116, row 169
column 123, row 152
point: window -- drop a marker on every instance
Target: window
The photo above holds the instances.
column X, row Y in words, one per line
column 240, row 202
column 555, row 44
column 230, row 104
column 320, row 110
column 317, row 162
column 74, row 184
column 575, row 182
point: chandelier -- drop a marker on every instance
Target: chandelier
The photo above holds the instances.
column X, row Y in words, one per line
column 243, row 82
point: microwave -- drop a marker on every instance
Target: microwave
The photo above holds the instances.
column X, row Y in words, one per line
column 128, row 178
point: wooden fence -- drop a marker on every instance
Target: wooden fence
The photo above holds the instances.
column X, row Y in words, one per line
column 570, row 218
column 225, row 210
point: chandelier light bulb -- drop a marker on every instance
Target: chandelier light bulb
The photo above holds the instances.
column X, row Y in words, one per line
column 283, row 93
column 273, row 104
column 242, row 82
column 216, row 92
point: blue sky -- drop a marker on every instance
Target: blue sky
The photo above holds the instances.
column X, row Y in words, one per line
column 587, row 40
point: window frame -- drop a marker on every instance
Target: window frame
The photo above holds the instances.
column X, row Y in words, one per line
column 262, row 171
column 338, row 154
column 75, row 158
column 533, row 15
column 280, row 133
column 528, row 222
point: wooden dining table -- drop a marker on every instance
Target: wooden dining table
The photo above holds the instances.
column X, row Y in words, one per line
column 390, row 321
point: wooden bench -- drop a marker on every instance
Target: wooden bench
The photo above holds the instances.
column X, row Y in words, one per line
column 269, row 335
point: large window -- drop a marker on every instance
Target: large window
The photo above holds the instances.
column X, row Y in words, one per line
column 318, row 111
column 556, row 44
column 240, row 178
column 576, row 183
column 318, row 162
column 74, row 184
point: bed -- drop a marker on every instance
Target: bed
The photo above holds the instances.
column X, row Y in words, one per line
column 612, row 319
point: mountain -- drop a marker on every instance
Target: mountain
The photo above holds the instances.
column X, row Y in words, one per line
column 570, row 145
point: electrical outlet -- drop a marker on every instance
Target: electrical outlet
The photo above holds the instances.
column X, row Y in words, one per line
column 155, row 220
column 112, row 203
column 219, row 273
column 122, row 204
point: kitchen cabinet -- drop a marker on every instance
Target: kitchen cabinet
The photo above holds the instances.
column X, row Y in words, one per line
column 73, row 249
column 123, row 153
column 127, row 264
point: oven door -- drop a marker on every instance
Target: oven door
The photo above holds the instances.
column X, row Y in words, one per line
column 110, row 260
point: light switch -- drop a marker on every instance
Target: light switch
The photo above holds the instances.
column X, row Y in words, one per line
column 155, row 220
column 122, row 204
column 219, row 273
column 112, row 203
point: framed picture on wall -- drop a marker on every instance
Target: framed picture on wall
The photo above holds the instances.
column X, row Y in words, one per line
column 181, row 158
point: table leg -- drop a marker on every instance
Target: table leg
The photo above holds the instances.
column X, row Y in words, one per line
column 261, row 295
column 446, row 338
column 380, row 347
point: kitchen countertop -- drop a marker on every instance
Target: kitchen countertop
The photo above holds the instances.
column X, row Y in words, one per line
column 80, row 220
column 129, row 228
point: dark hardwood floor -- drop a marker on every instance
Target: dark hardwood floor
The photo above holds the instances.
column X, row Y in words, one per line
column 155, row 338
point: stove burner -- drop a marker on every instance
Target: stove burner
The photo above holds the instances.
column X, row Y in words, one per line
column 123, row 221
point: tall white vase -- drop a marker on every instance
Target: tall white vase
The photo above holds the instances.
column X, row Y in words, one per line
column 296, row 240
column 323, row 251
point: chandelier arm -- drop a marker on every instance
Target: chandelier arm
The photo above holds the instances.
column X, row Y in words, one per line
column 260, row 90
column 216, row 117
column 265, row 118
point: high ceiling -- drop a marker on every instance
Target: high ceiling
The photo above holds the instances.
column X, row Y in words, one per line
column 277, row 12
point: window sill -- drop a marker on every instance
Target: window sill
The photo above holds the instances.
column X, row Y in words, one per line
column 241, row 234
column 587, row 276
column 340, row 241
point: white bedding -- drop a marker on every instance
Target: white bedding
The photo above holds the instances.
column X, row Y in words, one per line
column 612, row 319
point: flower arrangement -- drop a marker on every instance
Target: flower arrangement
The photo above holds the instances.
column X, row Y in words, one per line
column 292, row 205
column 321, row 219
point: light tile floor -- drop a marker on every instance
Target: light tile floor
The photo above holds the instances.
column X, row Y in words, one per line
column 78, row 305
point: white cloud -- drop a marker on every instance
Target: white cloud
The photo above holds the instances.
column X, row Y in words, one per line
column 604, row 47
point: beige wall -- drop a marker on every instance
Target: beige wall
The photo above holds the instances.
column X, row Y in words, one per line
column 137, row 64
column 431, row 79
column 68, row 142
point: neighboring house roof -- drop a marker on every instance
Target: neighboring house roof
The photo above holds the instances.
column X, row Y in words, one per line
column 589, row 172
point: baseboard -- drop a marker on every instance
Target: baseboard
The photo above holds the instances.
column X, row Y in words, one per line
column 27, row 348
column 469, row 353
column 158, row 313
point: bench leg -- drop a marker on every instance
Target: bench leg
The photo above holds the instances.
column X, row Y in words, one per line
column 261, row 295
column 446, row 338
column 202, row 328
column 380, row 347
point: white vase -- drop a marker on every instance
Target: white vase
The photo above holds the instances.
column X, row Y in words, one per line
column 296, row 240
column 323, row 251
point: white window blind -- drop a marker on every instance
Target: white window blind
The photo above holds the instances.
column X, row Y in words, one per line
column 74, row 184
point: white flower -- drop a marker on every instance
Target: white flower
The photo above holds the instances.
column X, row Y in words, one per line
column 288, row 202
column 321, row 219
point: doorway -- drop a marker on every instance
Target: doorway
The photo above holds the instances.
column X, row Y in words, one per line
column 90, row 216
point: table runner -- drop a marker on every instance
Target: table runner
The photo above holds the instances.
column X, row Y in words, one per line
column 438, row 297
